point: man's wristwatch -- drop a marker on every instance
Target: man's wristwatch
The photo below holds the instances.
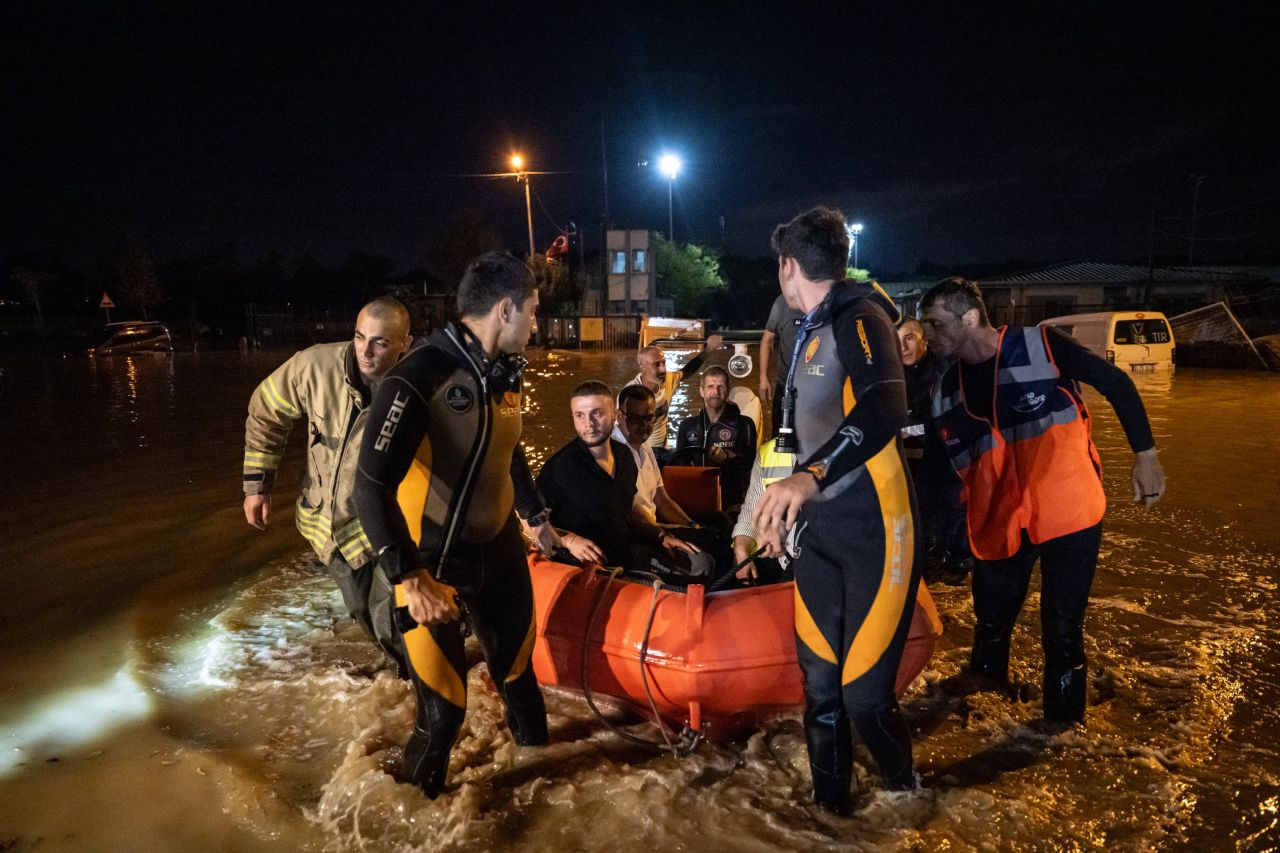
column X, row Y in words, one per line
column 539, row 518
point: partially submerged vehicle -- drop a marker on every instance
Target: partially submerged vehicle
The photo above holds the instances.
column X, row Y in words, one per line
column 134, row 336
column 1137, row 341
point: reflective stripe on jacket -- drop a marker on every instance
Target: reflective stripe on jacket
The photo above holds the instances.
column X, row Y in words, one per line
column 314, row 384
column 1029, row 464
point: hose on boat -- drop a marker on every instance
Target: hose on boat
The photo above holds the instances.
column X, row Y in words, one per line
column 688, row 740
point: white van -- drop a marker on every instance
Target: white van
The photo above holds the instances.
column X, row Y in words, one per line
column 1138, row 341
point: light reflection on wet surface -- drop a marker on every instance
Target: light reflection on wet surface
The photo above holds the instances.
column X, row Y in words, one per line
column 141, row 564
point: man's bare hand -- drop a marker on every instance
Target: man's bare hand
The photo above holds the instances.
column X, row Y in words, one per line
column 714, row 342
column 430, row 602
column 1148, row 478
column 583, row 549
column 766, row 389
column 779, row 507
column 256, row 510
column 674, row 543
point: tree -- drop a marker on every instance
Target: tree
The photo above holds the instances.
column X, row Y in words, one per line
column 136, row 277
column 689, row 274
column 33, row 283
column 467, row 238
column 856, row 274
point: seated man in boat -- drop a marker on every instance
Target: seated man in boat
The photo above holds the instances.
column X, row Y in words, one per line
column 590, row 487
column 726, row 437
column 663, row 383
column 636, row 412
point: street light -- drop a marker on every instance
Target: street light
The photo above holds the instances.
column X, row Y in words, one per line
column 517, row 165
column 853, row 229
column 669, row 164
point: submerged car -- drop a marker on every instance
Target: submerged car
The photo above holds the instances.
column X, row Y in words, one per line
column 134, row 336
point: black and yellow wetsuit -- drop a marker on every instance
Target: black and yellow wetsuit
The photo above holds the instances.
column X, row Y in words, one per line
column 441, row 470
column 856, row 575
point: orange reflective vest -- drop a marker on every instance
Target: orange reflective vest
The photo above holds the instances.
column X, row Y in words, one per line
column 1029, row 463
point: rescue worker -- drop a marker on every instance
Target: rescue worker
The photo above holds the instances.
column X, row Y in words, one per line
column 441, row 470
column 856, row 574
column 779, row 337
column 760, row 564
column 331, row 386
column 938, row 489
column 726, row 437
column 1009, row 410
column 663, row 383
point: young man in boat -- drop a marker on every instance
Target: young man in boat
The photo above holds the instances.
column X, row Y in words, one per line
column 1009, row 410
column 331, row 386
column 590, row 487
column 856, row 574
column 441, row 471
column 663, row 383
column 726, row 437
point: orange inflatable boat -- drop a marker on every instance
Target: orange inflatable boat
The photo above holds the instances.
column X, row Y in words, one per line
column 710, row 660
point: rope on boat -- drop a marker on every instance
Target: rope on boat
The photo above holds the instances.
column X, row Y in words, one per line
column 688, row 740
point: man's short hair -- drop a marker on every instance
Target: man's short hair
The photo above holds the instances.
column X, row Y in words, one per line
column 635, row 392
column 816, row 239
column 592, row 388
column 714, row 370
column 491, row 278
column 386, row 308
column 910, row 321
column 957, row 296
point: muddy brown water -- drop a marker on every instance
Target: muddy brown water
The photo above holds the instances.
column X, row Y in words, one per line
column 173, row 679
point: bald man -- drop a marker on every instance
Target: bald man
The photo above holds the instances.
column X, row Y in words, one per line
column 655, row 376
column 331, row 385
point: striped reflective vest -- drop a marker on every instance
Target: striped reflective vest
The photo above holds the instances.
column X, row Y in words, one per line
column 1029, row 463
column 775, row 465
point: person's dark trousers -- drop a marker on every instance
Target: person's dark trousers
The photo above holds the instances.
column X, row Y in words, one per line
column 367, row 594
column 853, row 613
column 775, row 409
column 493, row 584
column 1067, row 566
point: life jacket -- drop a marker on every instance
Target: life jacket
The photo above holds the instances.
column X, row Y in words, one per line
column 775, row 465
column 1030, row 463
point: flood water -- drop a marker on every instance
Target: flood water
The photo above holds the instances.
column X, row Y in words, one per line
column 174, row 679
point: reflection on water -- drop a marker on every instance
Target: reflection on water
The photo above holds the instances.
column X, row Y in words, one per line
column 217, row 659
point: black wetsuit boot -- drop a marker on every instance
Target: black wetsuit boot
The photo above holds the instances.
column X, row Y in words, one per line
column 830, row 740
column 426, row 755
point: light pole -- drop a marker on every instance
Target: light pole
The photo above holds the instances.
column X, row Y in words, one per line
column 669, row 164
column 517, row 165
column 853, row 229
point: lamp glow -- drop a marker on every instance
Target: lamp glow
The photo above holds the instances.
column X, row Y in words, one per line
column 669, row 165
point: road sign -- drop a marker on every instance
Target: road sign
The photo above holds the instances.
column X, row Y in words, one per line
column 106, row 301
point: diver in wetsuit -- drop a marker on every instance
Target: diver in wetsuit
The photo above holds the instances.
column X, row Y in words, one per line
column 441, row 470
column 856, row 574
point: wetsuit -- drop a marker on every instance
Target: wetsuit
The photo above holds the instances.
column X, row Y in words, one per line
column 441, row 469
column 856, row 573
column 1035, row 494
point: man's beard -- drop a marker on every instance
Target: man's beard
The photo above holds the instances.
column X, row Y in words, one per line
column 604, row 436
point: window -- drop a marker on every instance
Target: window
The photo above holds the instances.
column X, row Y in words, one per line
column 1142, row 332
column 638, row 261
column 618, row 265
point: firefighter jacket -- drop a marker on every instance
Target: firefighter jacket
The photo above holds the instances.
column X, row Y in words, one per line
column 322, row 385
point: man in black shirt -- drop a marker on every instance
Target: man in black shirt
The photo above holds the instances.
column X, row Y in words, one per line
column 590, row 486
column 725, row 436
column 1009, row 409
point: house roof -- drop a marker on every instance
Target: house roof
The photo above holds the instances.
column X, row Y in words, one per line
column 1090, row 272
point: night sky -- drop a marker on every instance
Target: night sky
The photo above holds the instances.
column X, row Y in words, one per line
column 958, row 132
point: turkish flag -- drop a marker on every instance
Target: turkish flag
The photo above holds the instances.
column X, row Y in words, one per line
column 559, row 247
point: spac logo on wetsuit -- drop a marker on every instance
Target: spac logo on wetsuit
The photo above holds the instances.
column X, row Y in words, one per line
column 459, row 399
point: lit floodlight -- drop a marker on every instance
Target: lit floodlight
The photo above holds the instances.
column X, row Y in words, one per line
column 669, row 165
column 854, row 228
column 517, row 162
